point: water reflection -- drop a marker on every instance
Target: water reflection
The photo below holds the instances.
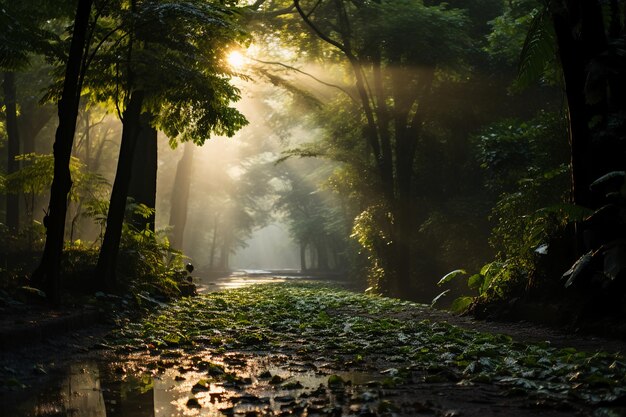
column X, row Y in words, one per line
column 237, row 279
column 78, row 394
column 94, row 389
column 83, row 396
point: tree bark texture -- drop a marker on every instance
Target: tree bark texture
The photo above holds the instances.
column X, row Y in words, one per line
column 47, row 274
column 180, row 198
column 13, row 148
column 107, row 261
column 143, row 181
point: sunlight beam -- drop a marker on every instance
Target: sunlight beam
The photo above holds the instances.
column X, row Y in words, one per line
column 236, row 60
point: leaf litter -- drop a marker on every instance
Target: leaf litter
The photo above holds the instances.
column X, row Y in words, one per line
column 316, row 349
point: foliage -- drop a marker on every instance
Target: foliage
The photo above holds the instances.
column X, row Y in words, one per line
column 374, row 240
column 313, row 211
column 314, row 319
column 27, row 29
column 602, row 270
column 531, row 211
column 35, row 177
column 539, row 49
column 146, row 261
column 174, row 52
column 508, row 31
column 511, row 150
column 525, row 166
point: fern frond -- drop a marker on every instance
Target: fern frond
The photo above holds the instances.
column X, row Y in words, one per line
column 538, row 50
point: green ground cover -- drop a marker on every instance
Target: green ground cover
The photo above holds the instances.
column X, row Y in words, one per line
column 318, row 319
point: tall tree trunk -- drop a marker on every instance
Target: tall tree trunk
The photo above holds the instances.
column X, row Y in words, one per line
column 180, row 197
column 303, row 266
column 225, row 250
column 322, row 254
column 47, row 273
column 143, row 181
column 402, row 214
column 579, row 136
column 575, row 54
column 88, row 139
column 107, row 261
column 13, row 148
column 214, row 242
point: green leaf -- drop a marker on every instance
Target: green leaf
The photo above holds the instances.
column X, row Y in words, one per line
column 475, row 281
column 437, row 298
column 450, row 275
column 461, row 304
column 538, row 50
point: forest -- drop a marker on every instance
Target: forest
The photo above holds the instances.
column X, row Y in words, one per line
column 312, row 207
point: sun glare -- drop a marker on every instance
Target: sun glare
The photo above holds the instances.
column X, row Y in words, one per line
column 236, row 60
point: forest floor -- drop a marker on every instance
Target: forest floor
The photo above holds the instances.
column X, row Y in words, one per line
column 312, row 349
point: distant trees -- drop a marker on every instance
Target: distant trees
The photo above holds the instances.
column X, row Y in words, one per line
column 407, row 173
column 24, row 34
column 180, row 196
column 237, row 205
column 394, row 82
column 315, row 221
column 161, row 64
column 162, row 61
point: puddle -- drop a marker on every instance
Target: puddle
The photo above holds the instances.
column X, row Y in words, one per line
column 231, row 282
column 246, row 277
column 260, row 386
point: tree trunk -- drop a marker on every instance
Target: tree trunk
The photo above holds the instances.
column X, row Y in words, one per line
column 107, row 261
column 214, row 242
column 87, row 139
column 143, row 180
column 322, row 254
column 47, row 274
column 572, row 65
column 13, row 148
column 180, row 196
column 303, row 256
column 225, row 251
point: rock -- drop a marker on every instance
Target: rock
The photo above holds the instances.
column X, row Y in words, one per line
column 193, row 403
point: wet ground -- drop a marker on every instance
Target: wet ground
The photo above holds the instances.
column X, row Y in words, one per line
column 78, row 375
column 242, row 278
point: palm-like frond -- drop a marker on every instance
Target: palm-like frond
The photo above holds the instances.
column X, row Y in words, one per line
column 538, row 50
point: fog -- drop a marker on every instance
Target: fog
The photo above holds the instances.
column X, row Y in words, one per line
column 232, row 218
column 268, row 248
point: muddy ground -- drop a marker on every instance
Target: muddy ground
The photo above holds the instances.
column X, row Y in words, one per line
column 84, row 374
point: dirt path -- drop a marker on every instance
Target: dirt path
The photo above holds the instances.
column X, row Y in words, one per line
column 225, row 363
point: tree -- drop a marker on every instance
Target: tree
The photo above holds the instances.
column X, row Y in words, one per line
column 169, row 69
column 312, row 215
column 394, row 82
column 143, row 179
column 589, row 46
column 47, row 273
column 34, row 178
column 10, row 99
column 576, row 54
column 180, row 197
column 23, row 35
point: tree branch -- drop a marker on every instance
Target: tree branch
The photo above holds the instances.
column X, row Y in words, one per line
column 317, row 30
column 289, row 67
